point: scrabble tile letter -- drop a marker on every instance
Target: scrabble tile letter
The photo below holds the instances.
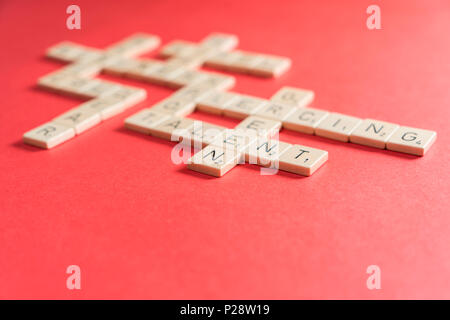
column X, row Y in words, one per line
column 302, row 160
column 373, row 133
column 48, row 135
column 411, row 140
column 304, row 120
column 337, row 127
column 214, row 161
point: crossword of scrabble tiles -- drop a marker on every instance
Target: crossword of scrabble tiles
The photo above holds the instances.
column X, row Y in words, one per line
column 222, row 148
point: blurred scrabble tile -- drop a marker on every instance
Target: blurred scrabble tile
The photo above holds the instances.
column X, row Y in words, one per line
column 236, row 139
column 201, row 134
column 244, row 62
column 221, row 60
column 48, row 135
column 271, row 66
column 302, row 160
column 175, row 106
column 144, row 120
column 373, row 133
column 293, row 96
column 127, row 95
column 134, row 45
column 75, row 86
column 80, row 69
column 411, row 140
column 265, row 152
column 337, row 126
column 100, row 88
column 243, row 106
column 215, row 102
column 53, row 81
column 162, row 74
column 187, row 77
column 221, row 41
column 79, row 119
column 172, row 129
column 123, row 66
column 218, row 81
column 115, row 103
column 189, row 63
column 178, row 48
column 275, row 111
column 304, row 120
column 214, row 161
column 143, row 69
column 67, row 51
column 262, row 126
column 105, row 107
column 193, row 92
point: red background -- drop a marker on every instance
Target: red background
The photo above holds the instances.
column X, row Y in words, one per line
column 139, row 226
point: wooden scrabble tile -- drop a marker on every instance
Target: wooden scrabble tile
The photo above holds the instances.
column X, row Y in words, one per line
column 411, row 140
column 172, row 129
column 214, row 161
column 275, row 111
column 293, row 96
column 337, row 126
column 215, row 102
column 76, row 86
column 100, row 88
column 81, row 69
column 124, row 66
column 143, row 69
column 187, row 77
column 144, row 120
column 48, row 135
column 304, row 120
column 221, row 41
column 128, row 96
column 201, row 134
column 105, row 107
column 218, row 81
column 271, row 66
column 302, row 160
column 175, row 106
column 178, row 48
column 193, row 92
column 116, row 102
column 265, row 152
column 53, row 81
column 221, row 60
column 163, row 73
column 236, row 139
column 66, row 51
column 244, row 62
column 373, row 133
column 79, row 119
column 262, row 126
column 189, row 63
column 64, row 83
column 243, row 106
column 134, row 45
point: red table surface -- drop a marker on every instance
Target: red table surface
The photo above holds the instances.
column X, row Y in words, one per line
column 139, row 226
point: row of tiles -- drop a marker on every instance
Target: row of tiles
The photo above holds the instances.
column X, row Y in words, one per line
column 109, row 100
column 222, row 148
column 256, row 64
column 83, row 117
column 71, row 80
column 213, row 51
column 290, row 107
